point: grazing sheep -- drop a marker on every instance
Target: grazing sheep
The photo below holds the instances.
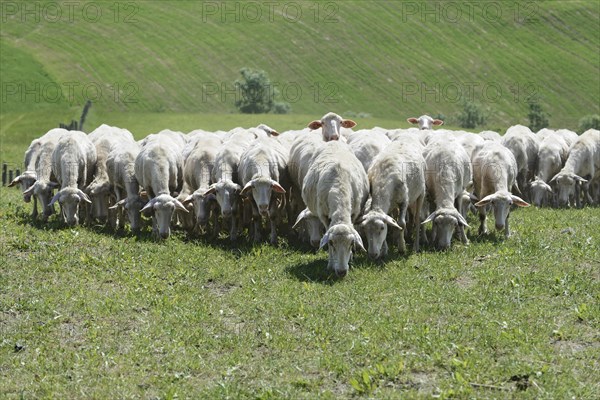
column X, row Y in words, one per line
column 28, row 178
column 331, row 126
column 397, row 178
column 262, row 171
column 73, row 164
column 494, row 173
column 304, row 149
column 367, row 145
column 335, row 189
column 447, row 176
column 582, row 166
column 569, row 136
column 159, row 170
column 120, row 165
column 523, row 144
column 425, row 122
column 197, row 173
column 552, row 154
column 105, row 138
column 490, row 135
column 178, row 139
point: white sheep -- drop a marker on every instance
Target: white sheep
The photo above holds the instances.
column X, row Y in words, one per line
column 304, row 149
column 262, row 171
column 159, row 170
column 331, row 126
column 73, row 164
column 447, row 176
column 524, row 145
column 494, row 173
column 367, row 145
column 45, row 180
column 490, row 135
column 425, row 122
column 552, row 155
column 569, row 136
column 335, row 189
column 582, row 166
column 197, row 177
column 104, row 137
column 28, row 177
column 120, row 165
column 397, row 179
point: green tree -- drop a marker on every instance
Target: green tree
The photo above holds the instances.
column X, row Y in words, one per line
column 471, row 116
column 538, row 118
column 257, row 94
column 589, row 122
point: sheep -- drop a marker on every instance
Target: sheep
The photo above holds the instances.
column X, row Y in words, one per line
column 397, row 178
column 367, row 146
column 73, row 164
column 226, row 188
column 569, row 136
column 159, row 170
column 335, row 189
column 175, row 137
column 197, row 173
column 331, row 126
column 494, row 173
column 523, row 144
column 582, row 165
column 45, row 181
column 403, row 135
column 28, row 178
column 471, row 142
column 448, row 174
column 120, row 166
column 104, row 137
column 425, row 122
column 552, row 154
column 490, row 135
column 262, row 171
column 304, row 149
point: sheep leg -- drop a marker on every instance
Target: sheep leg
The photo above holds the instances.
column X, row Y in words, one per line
column 506, row 228
column 34, row 213
column 482, row 221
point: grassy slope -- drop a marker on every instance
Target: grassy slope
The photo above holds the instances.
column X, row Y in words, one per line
column 372, row 50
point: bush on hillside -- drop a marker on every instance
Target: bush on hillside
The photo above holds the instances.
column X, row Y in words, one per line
column 471, row 116
column 589, row 122
column 257, row 94
column 538, row 118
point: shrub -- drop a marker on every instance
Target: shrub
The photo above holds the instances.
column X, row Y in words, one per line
column 589, row 122
column 471, row 116
column 257, row 94
column 538, row 118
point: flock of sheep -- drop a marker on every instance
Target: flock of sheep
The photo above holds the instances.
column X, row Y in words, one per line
column 335, row 186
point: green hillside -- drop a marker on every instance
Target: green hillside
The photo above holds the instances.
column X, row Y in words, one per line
column 388, row 59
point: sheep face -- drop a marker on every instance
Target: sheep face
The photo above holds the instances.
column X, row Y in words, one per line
column 331, row 125
column 340, row 240
column 226, row 193
column 501, row 203
column 162, row 207
column 42, row 190
column 261, row 189
column 425, row 122
column 566, row 187
column 69, row 199
column 99, row 193
column 26, row 180
column 539, row 190
column 445, row 221
column 375, row 226
column 201, row 202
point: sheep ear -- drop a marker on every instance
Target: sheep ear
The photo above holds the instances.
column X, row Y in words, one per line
column 211, row 190
column 519, row 201
column 348, row 123
column 554, row 178
column 148, row 206
column 315, row 125
column 83, row 196
column 54, row 199
column 29, row 191
column 390, row 221
column 438, row 122
column 120, row 203
column 303, row 214
column 273, row 132
column 180, row 206
column 247, row 188
column 412, row 120
column 277, row 187
column 430, row 218
column 188, row 200
column 15, row 181
column 473, row 197
column 485, row 201
column 357, row 240
column 53, row 185
column 462, row 220
column 579, row 179
column 548, row 188
column 324, row 240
